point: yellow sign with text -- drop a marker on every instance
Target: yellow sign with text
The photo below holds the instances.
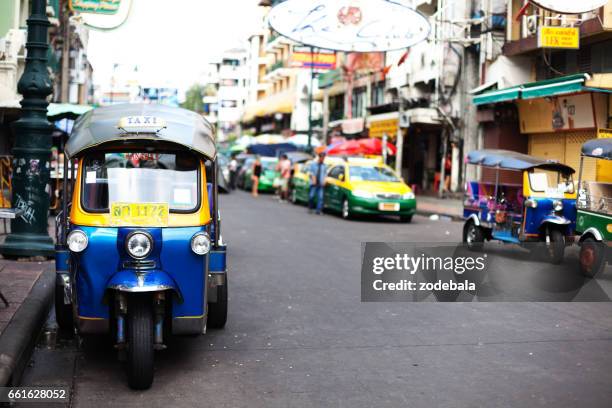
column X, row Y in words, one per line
column 139, row 214
column 380, row 127
column 559, row 37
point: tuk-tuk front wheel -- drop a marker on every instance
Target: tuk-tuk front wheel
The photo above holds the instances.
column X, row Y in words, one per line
column 556, row 246
column 592, row 254
column 140, row 342
column 63, row 312
column 473, row 237
column 217, row 312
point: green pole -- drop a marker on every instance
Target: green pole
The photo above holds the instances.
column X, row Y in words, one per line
column 32, row 151
column 310, row 99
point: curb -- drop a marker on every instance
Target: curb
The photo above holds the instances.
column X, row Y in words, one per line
column 19, row 337
column 427, row 213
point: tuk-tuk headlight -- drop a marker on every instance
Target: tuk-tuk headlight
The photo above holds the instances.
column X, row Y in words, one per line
column 558, row 205
column 77, row 241
column 139, row 245
column 200, row 243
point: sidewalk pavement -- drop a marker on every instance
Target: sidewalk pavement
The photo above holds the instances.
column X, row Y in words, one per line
column 28, row 287
column 446, row 207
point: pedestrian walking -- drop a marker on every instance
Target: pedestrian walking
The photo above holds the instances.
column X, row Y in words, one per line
column 284, row 168
column 318, row 172
column 233, row 170
column 256, row 175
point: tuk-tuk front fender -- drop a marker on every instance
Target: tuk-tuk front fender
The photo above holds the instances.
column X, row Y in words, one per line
column 142, row 281
column 554, row 219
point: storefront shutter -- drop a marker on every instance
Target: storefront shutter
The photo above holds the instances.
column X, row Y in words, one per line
column 565, row 148
column 548, row 146
column 573, row 144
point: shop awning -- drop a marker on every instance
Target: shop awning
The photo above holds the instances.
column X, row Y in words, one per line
column 497, row 96
column 552, row 87
column 57, row 111
column 541, row 89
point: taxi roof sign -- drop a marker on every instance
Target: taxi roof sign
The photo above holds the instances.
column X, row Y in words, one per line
column 141, row 124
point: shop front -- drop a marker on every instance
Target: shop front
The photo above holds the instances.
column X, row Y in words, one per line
column 554, row 119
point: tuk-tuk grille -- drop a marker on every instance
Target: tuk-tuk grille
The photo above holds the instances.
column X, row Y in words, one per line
column 138, row 264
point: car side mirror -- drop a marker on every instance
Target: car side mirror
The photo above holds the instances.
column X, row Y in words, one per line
column 341, row 177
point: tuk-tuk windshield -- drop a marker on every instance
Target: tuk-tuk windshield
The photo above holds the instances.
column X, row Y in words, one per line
column 554, row 184
column 139, row 177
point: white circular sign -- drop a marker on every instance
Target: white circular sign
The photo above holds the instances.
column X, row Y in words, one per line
column 570, row 6
column 350, row 25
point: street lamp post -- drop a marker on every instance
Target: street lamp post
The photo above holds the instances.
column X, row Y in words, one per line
column 32, row 151
column 310, row 97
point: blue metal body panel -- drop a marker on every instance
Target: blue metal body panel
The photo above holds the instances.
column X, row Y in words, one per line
column 535, row 217
column 505, row 236
column 102, row 264
column 62, row 260
column 218, row 261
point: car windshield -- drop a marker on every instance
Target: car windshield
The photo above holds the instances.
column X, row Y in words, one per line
column 138, row 177
column 268, row 165
column 553, row 183
column 363, row 173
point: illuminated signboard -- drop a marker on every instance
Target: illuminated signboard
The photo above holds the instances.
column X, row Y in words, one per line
column 559, row 37
column 350, row 25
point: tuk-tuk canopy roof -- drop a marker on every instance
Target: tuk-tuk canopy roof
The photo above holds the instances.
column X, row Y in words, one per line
column 180, row 126
column 509, row 160
column 598, row 148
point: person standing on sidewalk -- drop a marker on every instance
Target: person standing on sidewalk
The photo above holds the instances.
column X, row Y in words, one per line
column 233, row 170
column 318, row 172
column 284, row 168
column 256, row 175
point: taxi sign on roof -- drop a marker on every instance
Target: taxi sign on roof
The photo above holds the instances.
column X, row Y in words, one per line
column 141, row 123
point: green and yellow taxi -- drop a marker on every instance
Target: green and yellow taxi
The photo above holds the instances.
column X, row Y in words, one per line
column 357, row 186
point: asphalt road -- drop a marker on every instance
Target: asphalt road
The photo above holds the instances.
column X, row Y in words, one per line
column 298, row 335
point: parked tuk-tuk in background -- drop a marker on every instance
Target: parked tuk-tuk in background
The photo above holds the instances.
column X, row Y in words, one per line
column 540, row 209
column 140, row 254
column 594, row 219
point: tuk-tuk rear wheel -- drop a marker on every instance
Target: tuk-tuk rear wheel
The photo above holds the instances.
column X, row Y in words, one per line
column 140, row 341
column 591, row 257
column 556, row 247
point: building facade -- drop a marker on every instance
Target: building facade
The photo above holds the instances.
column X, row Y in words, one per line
column 544, row 100
column 225, row 92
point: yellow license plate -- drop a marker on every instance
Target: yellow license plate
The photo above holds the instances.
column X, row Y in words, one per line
column 389, row 206
column 139, row 215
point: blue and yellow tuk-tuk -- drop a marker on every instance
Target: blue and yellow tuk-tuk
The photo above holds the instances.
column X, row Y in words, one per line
column 540, row 209
column 140, row 254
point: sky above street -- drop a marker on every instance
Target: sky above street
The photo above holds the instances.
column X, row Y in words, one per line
column 171, row 41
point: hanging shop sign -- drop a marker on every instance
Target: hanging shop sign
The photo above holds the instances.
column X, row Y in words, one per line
column 303, row 57
column 559, row 37
column 603, row 133
column 388, row 127
column 570, row 6
column 95, row 6
column 350, row 25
